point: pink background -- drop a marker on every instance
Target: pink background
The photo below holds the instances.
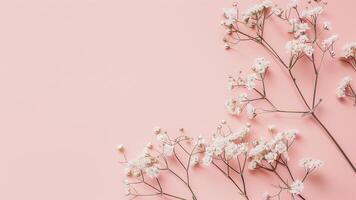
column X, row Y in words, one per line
column 79, row 77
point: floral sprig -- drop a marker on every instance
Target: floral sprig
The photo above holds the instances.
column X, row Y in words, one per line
column 345, row 89
column 306, row 43
column 149, row 165
column 348, row 54
column 231, row 152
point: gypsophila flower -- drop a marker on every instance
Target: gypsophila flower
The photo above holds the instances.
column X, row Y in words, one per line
column 157, row 130
column 329, row 41
column 168, row 149
column 256, row 10
column 233, row 107
column 300, row 45
column 231, row 16
column 241, row 97
column 343, row 84
column 250, row 111
column 260, row 65
column 162, row 137
column 327, row 26
column 312, row 12
column 194, row 159
column 349, row 50
column 298, row 28
column 152, row 172
column 250, row 81
column 296, row 187
column 310, row 164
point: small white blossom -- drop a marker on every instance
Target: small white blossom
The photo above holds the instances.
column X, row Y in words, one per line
column 250, row 111
column 194, row 159
column 260, row 65
column 207, row 160
column 241, row 97
column 233, row 107
column 296, row 187
column 349, row 50
column 250, row 81
column 152, row 172
column 343, row 84
column 327, row 25
column 168, row 150
column 310, row 164
column 313, row 11
column 256, row 10
column 271, row 157
column 329, row 41
column 300, row 45
column 231, row 16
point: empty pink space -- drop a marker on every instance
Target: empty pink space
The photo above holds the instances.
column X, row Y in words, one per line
column 78, row 77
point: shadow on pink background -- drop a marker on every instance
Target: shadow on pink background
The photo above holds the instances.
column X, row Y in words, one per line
column 79, row 77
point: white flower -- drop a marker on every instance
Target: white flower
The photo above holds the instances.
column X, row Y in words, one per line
column 162, row 137
column 280, row 147
column 157, row 130
column 296, row 187
column 241, row 97
column 349, row 50
column 250, row 81
column 260, row 65
column 152, row 172
column 310, row 164
column 329, row 41
column 256, row 10
column 343, row 84
column 300, row 45
column 313, row 11
column 250, row 111
column 271, row 157
column 298, row 28
column 207, row 160
column 194, row 159
column 327, row 25
column 233, row 107
column 231, row 150
column 168, row 150
column 231, row 16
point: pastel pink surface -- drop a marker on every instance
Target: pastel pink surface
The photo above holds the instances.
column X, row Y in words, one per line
column 79, row 77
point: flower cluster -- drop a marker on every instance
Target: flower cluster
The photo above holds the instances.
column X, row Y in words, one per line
column 260, row 65
column 225, row 150
column 307, row 48
column 252, row 13
column 271, row 150
column 300, row 45
column 228, row 145
column 312, row 11
column 345, row 89
column 343, row 85
column 310, row 164
column 349, row 54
